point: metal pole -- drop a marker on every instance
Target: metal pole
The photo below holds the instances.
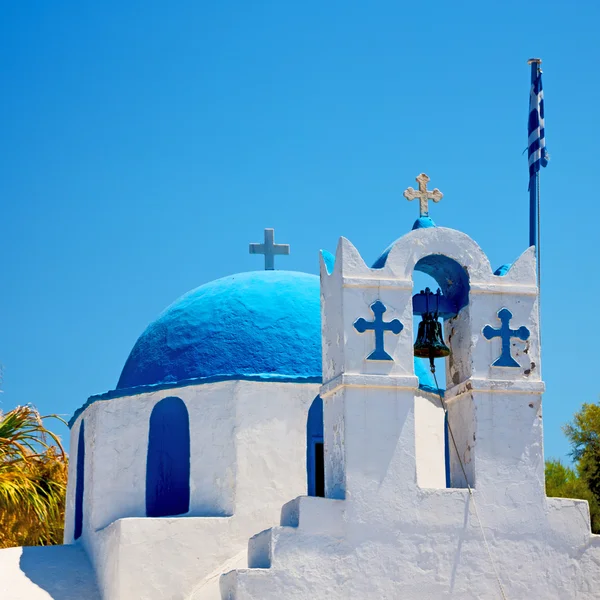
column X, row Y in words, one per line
column 534, row 212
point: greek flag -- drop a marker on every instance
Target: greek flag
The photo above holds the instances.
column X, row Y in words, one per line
column 537, row 141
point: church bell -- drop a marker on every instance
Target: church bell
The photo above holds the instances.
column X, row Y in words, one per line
column 430, row 340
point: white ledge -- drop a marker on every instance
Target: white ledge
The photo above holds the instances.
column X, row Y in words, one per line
column 368, row 282
column 503, row 288
column 408, row 382
column 500, row 386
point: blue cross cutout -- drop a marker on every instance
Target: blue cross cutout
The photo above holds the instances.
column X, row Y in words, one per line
column 379, row 327
column 506, row 333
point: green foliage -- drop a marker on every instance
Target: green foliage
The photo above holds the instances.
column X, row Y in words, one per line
column 33, row 480
column 584, row 434
column 563, row 482
column 583, row 482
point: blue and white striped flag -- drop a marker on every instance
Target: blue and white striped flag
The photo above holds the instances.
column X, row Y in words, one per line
column 537, row 141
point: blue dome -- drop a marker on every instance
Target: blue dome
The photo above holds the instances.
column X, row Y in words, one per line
column 262, row 324
column 256, row 324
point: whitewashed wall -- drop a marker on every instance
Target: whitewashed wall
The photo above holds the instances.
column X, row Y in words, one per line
column 116, row 440
column 384, row 531
column 248, row 457
column 430, row 442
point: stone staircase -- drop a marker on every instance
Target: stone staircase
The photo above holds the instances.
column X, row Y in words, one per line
column 305, row 521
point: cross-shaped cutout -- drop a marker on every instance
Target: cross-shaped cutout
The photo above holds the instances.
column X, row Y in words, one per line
column 423, row 194
column 270, row 249
column 379, row 327
column 505, row 333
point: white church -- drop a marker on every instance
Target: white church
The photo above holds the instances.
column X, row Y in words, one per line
column 272, row 436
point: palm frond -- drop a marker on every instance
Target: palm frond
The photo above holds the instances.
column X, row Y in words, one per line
column 33, row 479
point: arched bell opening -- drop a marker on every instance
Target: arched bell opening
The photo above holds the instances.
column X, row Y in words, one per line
column 439, row 272
column 441, row 291
column 422, row 282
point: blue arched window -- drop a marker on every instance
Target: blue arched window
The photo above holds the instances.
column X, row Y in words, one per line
column 168, row 463
column 79, row 482
column 315, row 460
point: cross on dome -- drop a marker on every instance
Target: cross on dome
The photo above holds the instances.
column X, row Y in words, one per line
column 270, row 249
column 423, row 194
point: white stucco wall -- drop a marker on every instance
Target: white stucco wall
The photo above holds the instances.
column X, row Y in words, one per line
column 116, row 441
column 385, row 532
column 248, row 457
column 389, row 528
column 430, row 443
column 400, row 551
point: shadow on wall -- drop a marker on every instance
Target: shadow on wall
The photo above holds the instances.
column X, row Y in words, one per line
column 64, row 572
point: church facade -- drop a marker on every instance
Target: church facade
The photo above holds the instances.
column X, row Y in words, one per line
column 273, row 436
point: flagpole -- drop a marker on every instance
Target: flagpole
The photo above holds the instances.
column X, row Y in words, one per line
column 534, row 209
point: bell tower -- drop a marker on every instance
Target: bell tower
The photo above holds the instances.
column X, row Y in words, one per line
column 371, row 394
column 390, row 526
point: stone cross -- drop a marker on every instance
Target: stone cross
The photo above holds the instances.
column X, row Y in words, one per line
column 379, row 327
column 505, row 333
column 423, row 194
column 270, row 249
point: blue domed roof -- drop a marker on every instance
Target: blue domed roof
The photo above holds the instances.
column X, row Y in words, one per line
column 261, row 323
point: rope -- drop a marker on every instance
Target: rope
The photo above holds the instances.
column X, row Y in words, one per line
column 487, row 546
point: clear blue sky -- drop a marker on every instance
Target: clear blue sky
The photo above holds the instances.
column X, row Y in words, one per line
column 143, row 145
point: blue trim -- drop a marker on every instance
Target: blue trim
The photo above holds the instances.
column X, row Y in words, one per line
column 168, row 462
column 329, row 260
column 432, row 389
column 79, row 482
column 380, row 262
column 314, row 435
column 505, row 333
column 145, row 389
column 423, row 223
column 379, row 327
column 503, row 270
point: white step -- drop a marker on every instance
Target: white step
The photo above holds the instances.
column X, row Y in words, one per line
column 260, row 550
column 314, row 515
